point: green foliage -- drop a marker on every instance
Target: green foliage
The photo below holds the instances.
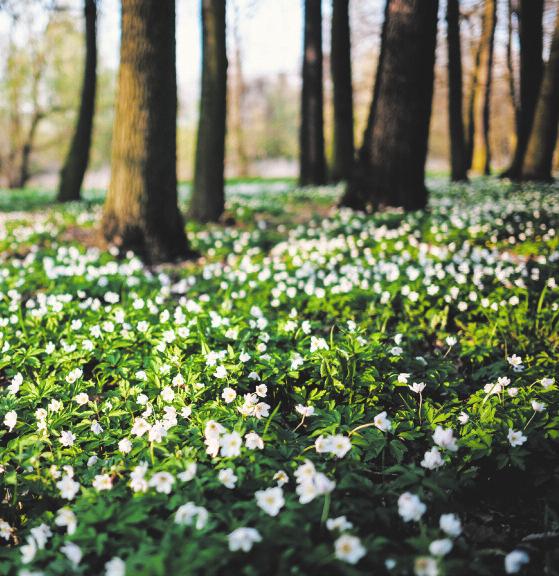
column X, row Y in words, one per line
column 328, row 309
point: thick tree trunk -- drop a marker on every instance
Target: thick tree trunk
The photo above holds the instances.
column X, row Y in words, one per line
column 455, row 96
column 481, row 155
column 340, row 61
column 141, row 211
column 531, row 72
column 73, row 172
column 470, row 98
column 208, row 197
column 391, row 164
column 311, row 137
column 543, row 137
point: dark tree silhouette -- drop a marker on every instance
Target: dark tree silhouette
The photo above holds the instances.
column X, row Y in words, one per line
column 72, row 174
column 340, row 62
column 141, row 211
column 543, row 137
column 530, row 16
column 311, row 137
column 391, row 164
column 455, row 95
column 208, row 197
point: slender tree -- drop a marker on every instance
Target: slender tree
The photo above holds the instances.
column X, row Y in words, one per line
column 340, row 62
column 530, row 17
column 391, row 165
column 208, row 196
column 455, row 95
column 481, row 154
column 141, row 211
column 543, row 137
column 311, row 136
column 73, row 172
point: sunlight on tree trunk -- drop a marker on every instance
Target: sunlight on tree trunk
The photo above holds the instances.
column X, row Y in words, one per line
column 141, row 211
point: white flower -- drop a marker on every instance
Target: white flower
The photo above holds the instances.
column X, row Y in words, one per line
column 10, row 419
column 227, row 477
column 140, row 427
column 220, row 372
column 382, row 422
column 318, row 344
column 228, row 395
column 243, row 539
column 349, row 549
column 403, row 378
column 102, row 482
column 253, row 441
column 72, row 552
column 5, row 529
column 425, row 566
column 231, row 444
column 125, row 446
column 538, row 406
column 65, row 517
column 516, row 438
column 67, row 438
column 270, row 500
column 451, row 340
column 82, row 398
column 68, row 487
column 281, row 477
column 17, row 381
column 340, row 523
column 162, row 482
column 514, row 360
column 261, row 410
column 339, row 445
column 28, row 550
column 410, row 507
column 41, row 534
column 417, row 387
column 440, row 547
column 115, row 567
column 305, row 411
column 463, row 418
column 96, row 428
column 188, row 473
column 450, row 524
column 547, row 382
column 186, row 514
column 167, row 394
column 432, row 459
column 515, row 560
column 445, row 438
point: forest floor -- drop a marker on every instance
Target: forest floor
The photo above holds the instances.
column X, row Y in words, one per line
column 322, row 392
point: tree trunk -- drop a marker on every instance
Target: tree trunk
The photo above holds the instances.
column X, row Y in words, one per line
column 340, row 61
column 141, row 211
column 208, row 197
column 24, row 172
column 481, row 155
column 311, row 137
column 391, row 165
column 72, row 174
column 543, row 137
column 455, row 96
column 531, row 72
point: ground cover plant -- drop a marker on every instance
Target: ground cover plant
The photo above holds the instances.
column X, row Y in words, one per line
column 323, row 392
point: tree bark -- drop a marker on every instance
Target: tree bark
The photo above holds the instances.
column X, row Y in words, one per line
column 391, row 165
column 141, row 211
column 481, row 154
column 71, row 177
column 455, row 95
column 208, row 196
column 340, row 61
column 531, row 72
column 311, row 137
column 543, row 137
